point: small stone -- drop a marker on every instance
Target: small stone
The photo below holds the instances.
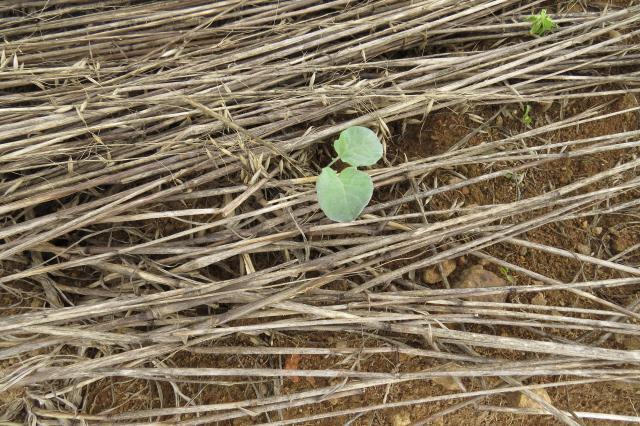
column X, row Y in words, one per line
column 523, row 251
column 539, row 299
column 583, row 249
column 523, row 401
column 622, row 242
column 465, row 190
column 447, row 383
column 584, row 224
column 477, row 277
column 432, row 275
column 401, row 419
column 597, row 231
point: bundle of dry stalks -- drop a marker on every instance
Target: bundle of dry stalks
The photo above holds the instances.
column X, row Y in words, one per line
column 157, row 163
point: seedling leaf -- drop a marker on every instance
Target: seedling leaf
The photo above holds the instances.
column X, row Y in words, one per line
column 343, row 196
column 507, row 274
column 358, row 147
column 541, row 23
column 526, row 118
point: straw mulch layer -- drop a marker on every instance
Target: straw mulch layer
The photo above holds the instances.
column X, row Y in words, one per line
column 163, row 257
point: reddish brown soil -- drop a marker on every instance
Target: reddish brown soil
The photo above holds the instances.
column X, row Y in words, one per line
column 605, row 235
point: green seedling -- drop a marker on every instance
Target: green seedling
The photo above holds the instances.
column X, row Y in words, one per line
column 507, row 274
column 343, row 196
column 516, row 178
column 526, row 118
column 541, row 23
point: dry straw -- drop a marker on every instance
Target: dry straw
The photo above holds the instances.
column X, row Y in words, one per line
column 157, row 158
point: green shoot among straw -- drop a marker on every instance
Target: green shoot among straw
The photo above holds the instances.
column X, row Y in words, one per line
column 343, row 196
column 541, row 23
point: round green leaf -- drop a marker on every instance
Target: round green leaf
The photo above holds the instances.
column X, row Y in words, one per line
column 358, row 146
column 343, row 196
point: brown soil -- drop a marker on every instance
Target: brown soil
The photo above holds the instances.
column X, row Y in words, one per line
column 605, row 236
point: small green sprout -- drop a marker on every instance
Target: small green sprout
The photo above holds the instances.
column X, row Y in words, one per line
column 507, row 274
column 526, row 118
column 516, row 178
column 343, row 196
column 541, row 23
